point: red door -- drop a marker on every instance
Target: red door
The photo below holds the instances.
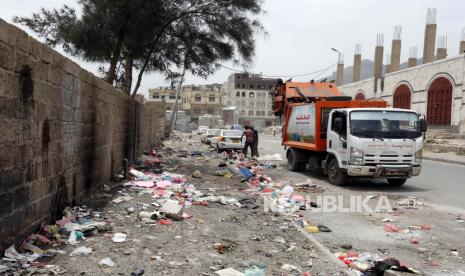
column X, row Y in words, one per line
column 402, row 97
column 439, row 102
column 360, row 96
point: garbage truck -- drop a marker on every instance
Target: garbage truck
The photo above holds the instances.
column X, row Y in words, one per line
column 326, row 131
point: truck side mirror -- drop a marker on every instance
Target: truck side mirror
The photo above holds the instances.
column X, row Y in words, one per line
column 423, row 125
column 338, row 124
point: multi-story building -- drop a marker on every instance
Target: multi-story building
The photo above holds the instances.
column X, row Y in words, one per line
column 167, row 94
column 250, row 93
column 198, row 100
column 195, row 100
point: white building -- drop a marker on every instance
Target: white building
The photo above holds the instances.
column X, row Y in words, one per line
column 250, row 93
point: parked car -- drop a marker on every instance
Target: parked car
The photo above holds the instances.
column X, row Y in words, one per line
column 229, row 139
column 206, row 137
column 202, row 129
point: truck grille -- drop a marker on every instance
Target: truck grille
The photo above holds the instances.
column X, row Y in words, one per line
column 373, row 160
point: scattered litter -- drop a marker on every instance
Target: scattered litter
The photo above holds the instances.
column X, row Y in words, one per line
column 229, row 272
column 106, row 262
column 122, row 199
column 392, row 228
column 81, row 251
column 196, row 174
column 271, row 157
column 119, row 237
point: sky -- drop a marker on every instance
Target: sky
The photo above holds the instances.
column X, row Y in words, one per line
column 300, row 33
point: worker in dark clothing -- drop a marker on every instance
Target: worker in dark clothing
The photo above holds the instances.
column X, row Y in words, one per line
column 255, row 144
column 249, row 141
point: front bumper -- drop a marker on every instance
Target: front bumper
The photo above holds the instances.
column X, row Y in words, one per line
column 384, row 171
column 225, row 145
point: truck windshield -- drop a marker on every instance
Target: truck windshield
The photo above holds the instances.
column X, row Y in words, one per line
column 384, row 124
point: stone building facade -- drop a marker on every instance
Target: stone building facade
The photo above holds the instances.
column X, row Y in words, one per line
column 435, row 89
column 195, row 100
column 250, row 93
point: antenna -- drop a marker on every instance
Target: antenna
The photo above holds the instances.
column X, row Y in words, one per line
column 340, row 58
column 397, row 32
column 431, row 16
column 442, row 41
column 380, row 40
column 358, row 48
column 413, row 52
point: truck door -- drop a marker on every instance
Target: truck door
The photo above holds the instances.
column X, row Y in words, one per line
column 337, row 137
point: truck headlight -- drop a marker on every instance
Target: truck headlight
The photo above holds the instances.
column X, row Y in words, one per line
column 356, row 156
column 418, row 157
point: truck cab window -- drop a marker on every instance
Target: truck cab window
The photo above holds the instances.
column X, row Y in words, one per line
column 343, row 116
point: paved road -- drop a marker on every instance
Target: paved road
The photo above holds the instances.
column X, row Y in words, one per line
column 442, row 184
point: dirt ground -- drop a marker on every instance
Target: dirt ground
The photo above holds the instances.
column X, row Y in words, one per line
column 246, row 238
column 256, row 239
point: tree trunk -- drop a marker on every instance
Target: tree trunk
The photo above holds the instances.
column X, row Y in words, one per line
column 178, row 93
column 114, row 59
column 127, row 84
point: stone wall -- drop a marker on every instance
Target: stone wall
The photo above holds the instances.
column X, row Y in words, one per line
column 63, row 132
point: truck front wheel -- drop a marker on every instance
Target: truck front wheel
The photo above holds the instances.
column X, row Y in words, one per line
column 397, row 181
column 336, row 176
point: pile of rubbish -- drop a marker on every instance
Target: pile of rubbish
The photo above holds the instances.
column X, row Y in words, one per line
column 77, row 224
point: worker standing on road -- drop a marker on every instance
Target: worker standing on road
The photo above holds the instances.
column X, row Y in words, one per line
column 249, row 141
column 255, row 144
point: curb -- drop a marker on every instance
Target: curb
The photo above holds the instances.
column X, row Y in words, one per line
column 323, row 249
column 444, row 160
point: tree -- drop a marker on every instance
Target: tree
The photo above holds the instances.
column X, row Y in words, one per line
column 151, row 35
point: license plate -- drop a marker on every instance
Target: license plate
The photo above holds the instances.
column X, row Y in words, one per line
column 235, row 140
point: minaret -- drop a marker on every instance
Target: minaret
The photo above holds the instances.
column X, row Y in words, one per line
column 462, row 43
column 396, row 49
column 441, row 52
column 378, row 68
column 430, row 36
column 412, row 58
column 388, row 64
column 340, row 70
column 357, row 63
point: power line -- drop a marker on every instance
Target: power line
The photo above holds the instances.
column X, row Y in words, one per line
column 282, row 76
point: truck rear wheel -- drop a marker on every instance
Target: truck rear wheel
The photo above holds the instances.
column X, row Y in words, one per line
column 293, row 163
column 397, row 181
column 336, row 176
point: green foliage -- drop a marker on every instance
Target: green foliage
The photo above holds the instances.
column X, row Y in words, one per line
column 152, row 35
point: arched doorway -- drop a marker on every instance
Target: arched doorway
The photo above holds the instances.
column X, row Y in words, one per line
column 360, row 96
column 439, row 102
column 402, row 97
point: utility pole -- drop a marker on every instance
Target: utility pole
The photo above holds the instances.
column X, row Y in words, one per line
column 178, row 93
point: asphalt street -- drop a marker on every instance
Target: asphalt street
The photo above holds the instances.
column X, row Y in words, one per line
column 442, row 184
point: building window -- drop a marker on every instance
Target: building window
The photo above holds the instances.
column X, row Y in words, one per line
column 243, row 85
column 238, row 94
column 163, row 97
column 250, row 112
column 243, row 104
column 251, row 104
column 172, row 97
column 211, row 111
column 156, row 96
column 251, row 86
column 211, row 98
column 243, row 94
column 198, row 98
column 242, row 112
column 251, row 95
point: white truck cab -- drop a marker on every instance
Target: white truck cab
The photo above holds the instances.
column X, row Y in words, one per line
column 374, row 142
